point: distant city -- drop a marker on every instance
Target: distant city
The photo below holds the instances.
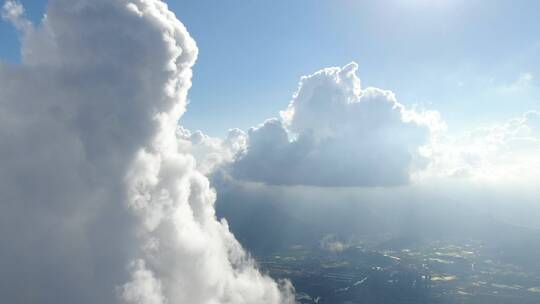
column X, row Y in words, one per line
column 435, row 272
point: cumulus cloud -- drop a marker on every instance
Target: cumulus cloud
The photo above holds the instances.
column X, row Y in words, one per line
column 212, row 152
column 503, row 152
column 334, row 133
column 14, row 13
column 101, row 200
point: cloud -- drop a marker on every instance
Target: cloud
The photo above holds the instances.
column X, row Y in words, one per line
column 211, row 152
column 101, row 201
column 522, row 83
column 334, row 133
column 330, row 243
column 502, row 153
column 14, row 12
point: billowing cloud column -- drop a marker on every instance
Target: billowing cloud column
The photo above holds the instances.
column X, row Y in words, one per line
column 333, row 133
column 97, row 204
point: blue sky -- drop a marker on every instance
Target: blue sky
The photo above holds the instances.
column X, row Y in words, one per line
column 474, row 61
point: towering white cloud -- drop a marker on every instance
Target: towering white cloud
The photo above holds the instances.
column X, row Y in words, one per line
column 99, row 203
column 333, row 133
